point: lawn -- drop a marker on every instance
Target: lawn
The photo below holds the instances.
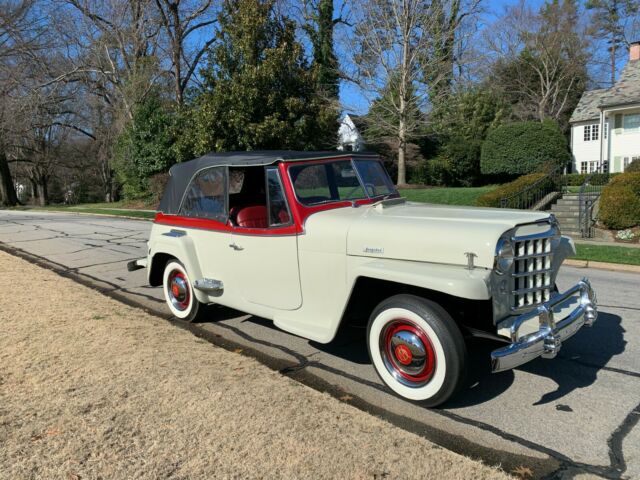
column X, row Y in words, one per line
column 98, row 208
column 448, row 196
column 611, row 254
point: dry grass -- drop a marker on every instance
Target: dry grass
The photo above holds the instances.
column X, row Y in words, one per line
column 91, row 388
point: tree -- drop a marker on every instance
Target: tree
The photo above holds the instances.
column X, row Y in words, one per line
column 259, row 91
column 524, row 147
column 144, row 148
column 319, row 24
column 17, row 40
column 608, row 19
column 393, row 43
column 541, row 69
column 441, row 57
column 181, row 20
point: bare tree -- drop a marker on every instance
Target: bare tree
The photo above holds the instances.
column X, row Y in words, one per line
column 541, row 59
column 16, row 42
column 180, row 21
column 396, row 43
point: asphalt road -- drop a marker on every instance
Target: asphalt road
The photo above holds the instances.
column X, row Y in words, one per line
column 561, row 418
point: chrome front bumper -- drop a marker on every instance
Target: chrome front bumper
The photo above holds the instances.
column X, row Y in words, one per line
column 550, row 331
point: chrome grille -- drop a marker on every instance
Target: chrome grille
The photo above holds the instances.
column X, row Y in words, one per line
column 532, row 271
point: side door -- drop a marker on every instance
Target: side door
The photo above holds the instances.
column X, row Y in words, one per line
column 205, row 204
column 266, row 259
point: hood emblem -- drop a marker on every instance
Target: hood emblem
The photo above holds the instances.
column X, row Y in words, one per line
column 470, row 257
column 374, row 250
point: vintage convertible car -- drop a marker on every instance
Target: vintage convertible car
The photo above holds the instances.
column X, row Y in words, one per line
column 314, row 239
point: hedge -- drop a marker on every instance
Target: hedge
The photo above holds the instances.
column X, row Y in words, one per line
column 620, row 202
column 633, row 167
column 577, row 179
column 492, row 199
column 524, row 147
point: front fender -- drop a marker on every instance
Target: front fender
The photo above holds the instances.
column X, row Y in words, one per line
column 453, row 280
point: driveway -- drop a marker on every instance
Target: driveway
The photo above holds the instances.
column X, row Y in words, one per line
column 576, row 414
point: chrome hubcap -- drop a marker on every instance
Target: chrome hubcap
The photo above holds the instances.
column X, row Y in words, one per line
column 178, row 290
column 407, row 353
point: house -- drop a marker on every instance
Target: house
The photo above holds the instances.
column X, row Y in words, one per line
column 605, row 126
column 350, row 137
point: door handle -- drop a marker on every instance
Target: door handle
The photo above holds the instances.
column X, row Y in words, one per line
column 235, row 246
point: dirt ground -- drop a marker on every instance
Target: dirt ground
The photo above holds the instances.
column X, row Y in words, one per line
column 91, row 388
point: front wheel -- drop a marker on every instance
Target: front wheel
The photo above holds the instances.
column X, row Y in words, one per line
column 178, row 292
column 417, row 349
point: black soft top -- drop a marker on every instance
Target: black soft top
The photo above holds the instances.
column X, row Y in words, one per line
column 181, row 173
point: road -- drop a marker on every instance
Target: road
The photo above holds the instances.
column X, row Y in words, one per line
column 576, row 414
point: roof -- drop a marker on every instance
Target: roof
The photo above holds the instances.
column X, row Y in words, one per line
column 181, row 173
column 625, row 91
column 627, row 88
column 359, row 121
column 587, row 108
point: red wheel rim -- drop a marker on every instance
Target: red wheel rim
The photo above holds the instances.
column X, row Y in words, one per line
column 407, row 352
column 178, row 290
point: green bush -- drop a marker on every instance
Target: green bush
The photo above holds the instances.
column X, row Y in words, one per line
column 577, row 179
column 457, row 165
column 633, row 167
column 493, row 198
column 431, row 172
column 620, row 202
column 524, row 147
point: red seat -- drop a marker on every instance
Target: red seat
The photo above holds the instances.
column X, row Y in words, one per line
column 252, row 217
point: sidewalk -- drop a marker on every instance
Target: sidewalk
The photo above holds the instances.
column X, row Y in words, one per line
column 92, row 388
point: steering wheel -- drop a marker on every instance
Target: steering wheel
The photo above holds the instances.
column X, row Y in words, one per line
column 347, row 195
column 370, row 189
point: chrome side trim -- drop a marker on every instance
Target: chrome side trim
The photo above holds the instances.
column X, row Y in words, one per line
column 175, row 233
column 546, row 342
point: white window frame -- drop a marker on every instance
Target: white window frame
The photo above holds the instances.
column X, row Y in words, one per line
column 583, row 167
column 587, row 133
column 605, row 130
column 595, row 131
column 626, row 129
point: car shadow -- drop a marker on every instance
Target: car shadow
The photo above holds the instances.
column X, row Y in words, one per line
column 219, row 313
column 348, row 344
column 576, row 366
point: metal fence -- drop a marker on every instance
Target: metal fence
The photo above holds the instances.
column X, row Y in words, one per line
column 532, row 195
column 590, row 191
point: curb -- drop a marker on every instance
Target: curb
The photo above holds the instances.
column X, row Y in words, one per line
column 616, row 267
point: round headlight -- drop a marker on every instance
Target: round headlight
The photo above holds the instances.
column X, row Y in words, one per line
column 504, row 255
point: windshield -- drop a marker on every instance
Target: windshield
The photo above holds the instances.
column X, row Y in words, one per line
column 340, row 180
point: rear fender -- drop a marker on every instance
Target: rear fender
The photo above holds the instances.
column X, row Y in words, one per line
column 181, row 248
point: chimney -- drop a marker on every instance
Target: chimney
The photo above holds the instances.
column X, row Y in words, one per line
column 634, row 51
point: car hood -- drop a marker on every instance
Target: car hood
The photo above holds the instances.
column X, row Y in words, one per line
column 433, row 233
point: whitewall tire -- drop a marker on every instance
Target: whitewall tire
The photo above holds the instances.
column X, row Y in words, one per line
column 417, row 349
column 178, row 292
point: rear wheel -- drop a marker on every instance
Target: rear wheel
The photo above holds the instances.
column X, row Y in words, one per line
column 178, row 292
column 417, row 349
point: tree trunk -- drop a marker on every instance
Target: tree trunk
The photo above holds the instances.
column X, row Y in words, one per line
column 43, row 193
column 402, row 142
column 7, row 188
column 613, row 62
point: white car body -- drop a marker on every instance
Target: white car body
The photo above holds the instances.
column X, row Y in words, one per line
column 304, row 276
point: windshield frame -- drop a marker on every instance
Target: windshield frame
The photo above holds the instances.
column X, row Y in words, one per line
column 364, row 200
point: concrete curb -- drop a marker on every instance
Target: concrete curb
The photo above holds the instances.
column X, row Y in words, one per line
column 616, row 267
